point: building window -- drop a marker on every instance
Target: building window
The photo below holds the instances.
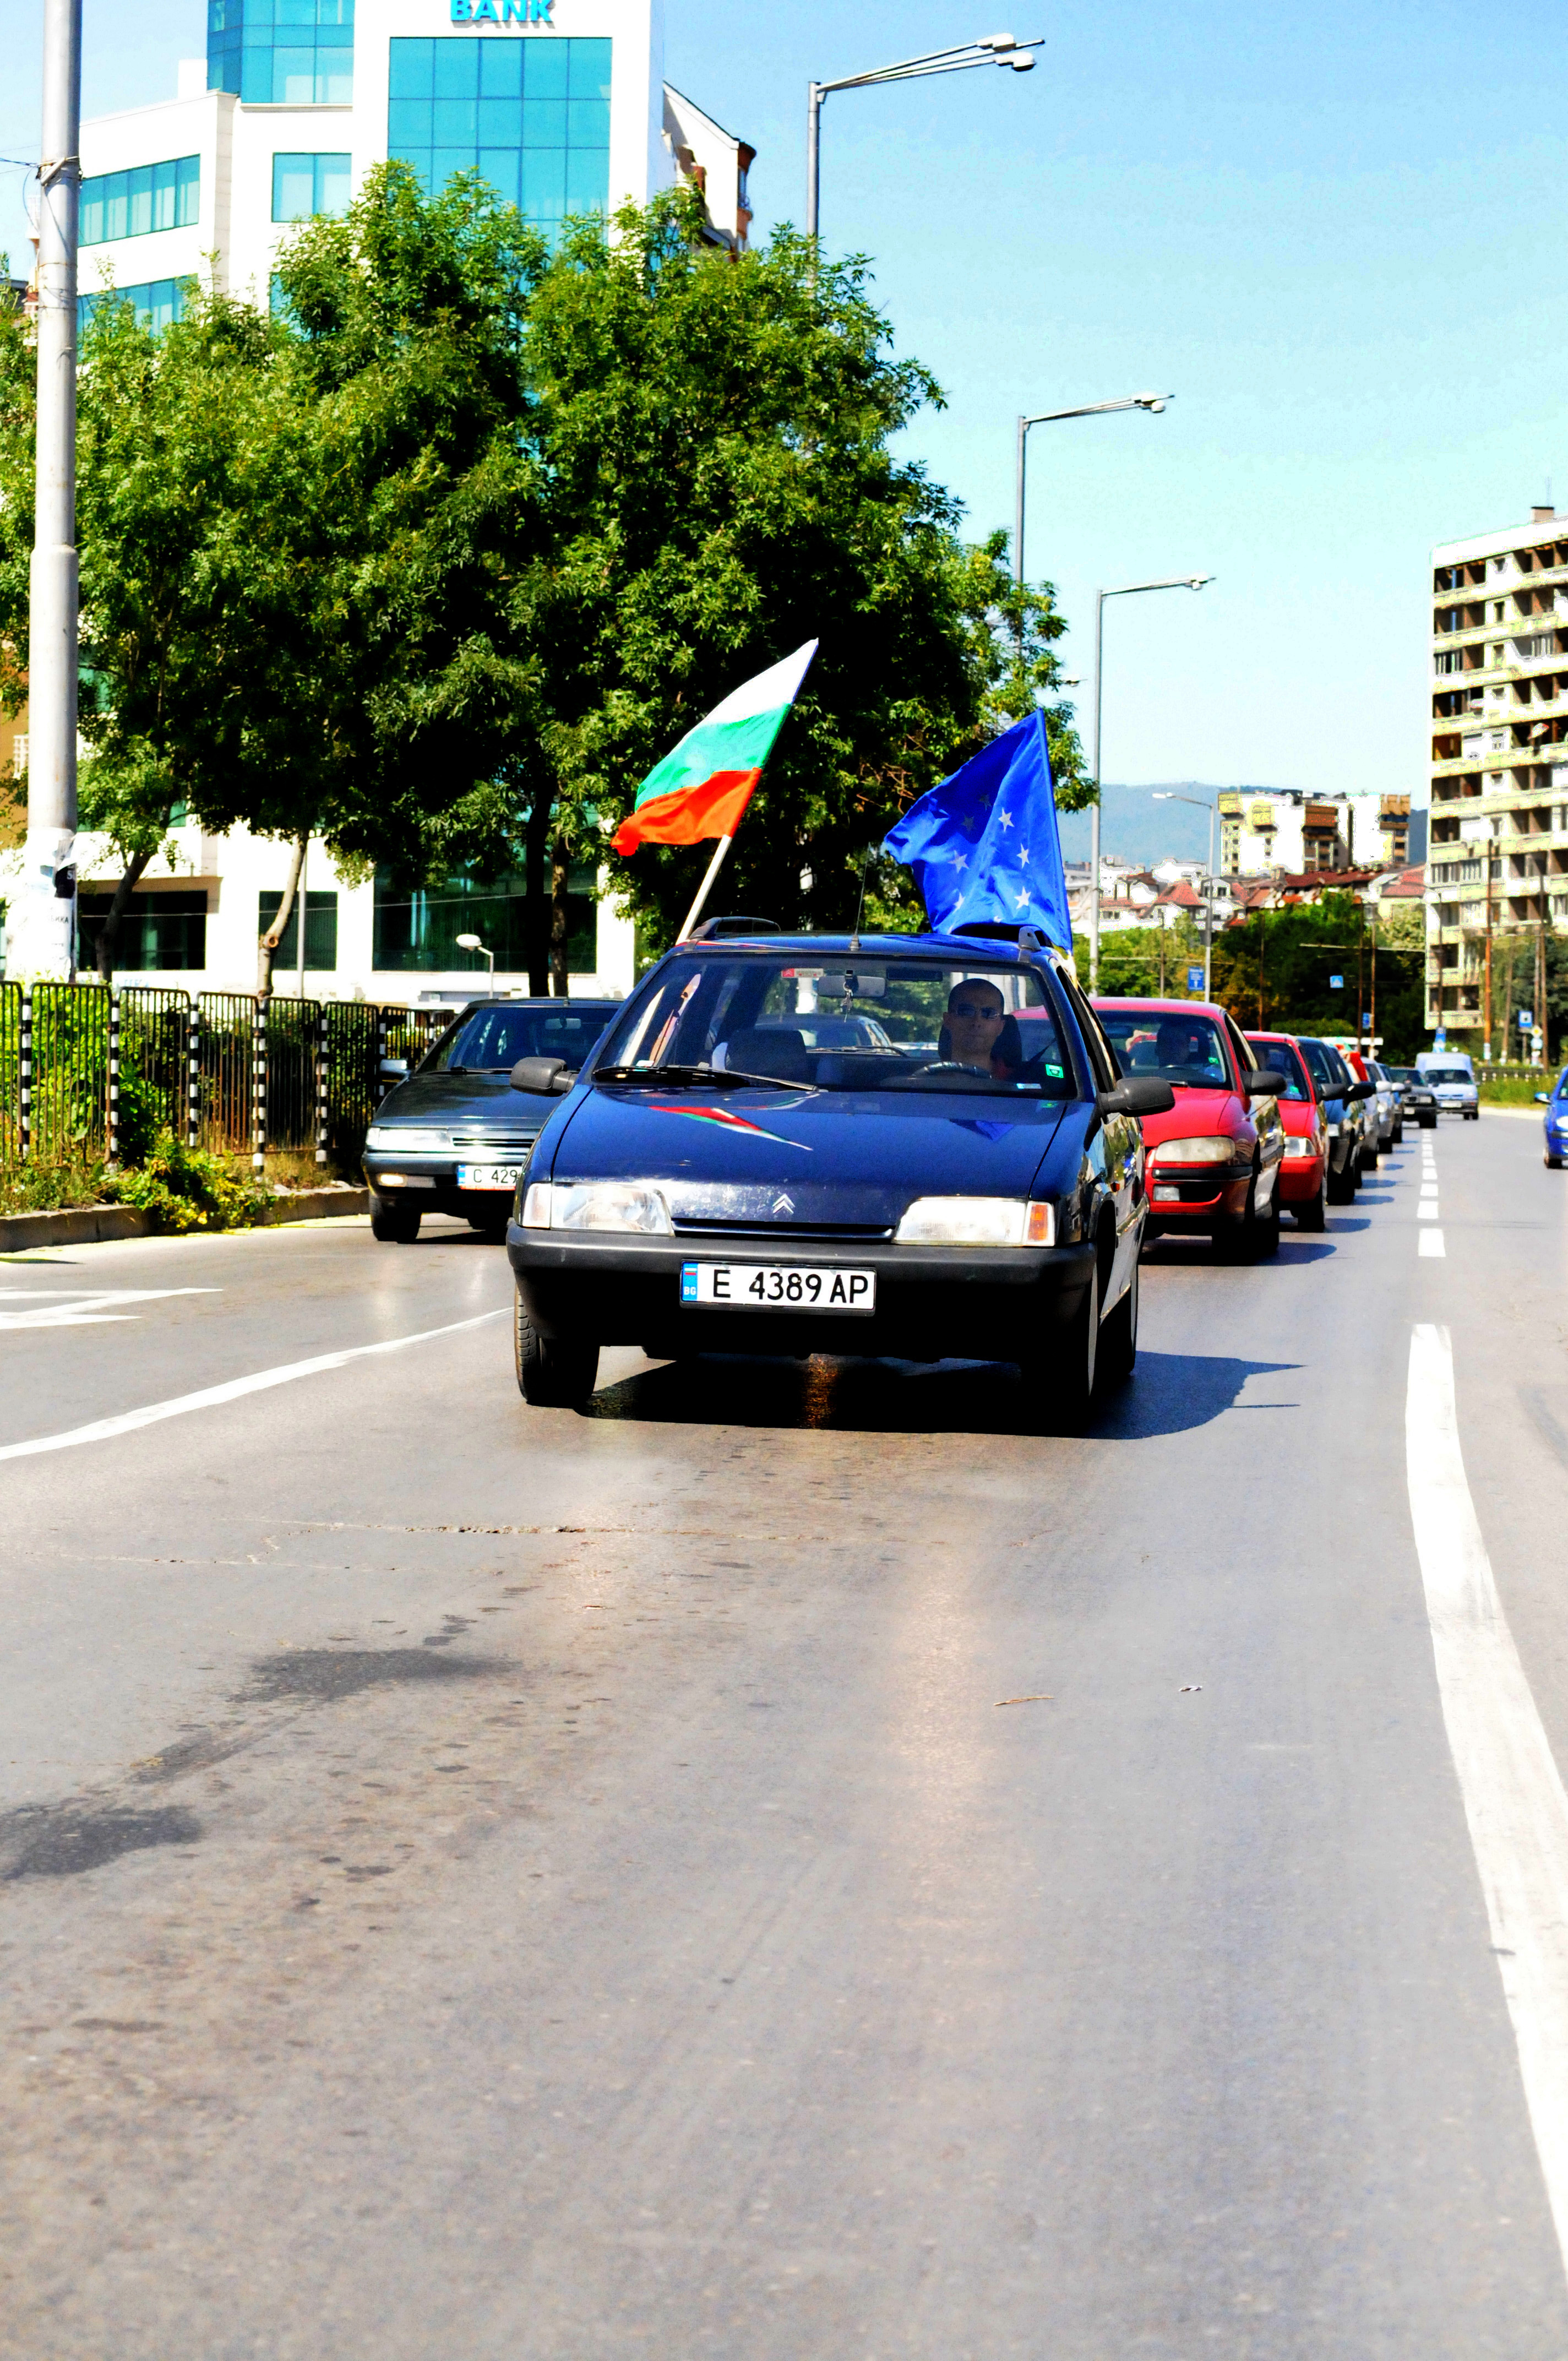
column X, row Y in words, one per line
column 531, row 116
column 134, row 204
column 306, row 185
column 157, row 930
column 321, row 932
column 155, row 301
column 282, row 53
column 418, row 932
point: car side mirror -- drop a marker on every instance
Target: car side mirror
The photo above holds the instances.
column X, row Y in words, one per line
column 1543, row 1098
column 546, row 1077
column 1263, row 1082
column 1362, row 1090
column 1137, row 1095
column 393, row 1069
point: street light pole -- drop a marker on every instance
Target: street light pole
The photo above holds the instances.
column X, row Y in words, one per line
column 991, row 50
column 1152, row 402
column 1123, row 590
column 47, row 900
column 1164, row 796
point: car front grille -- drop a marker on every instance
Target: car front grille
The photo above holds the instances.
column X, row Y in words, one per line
column 828, row 1231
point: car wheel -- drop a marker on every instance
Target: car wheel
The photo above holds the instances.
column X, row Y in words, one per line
column 1341, row 1185
column 1260, row 1232
column 1058, row 1382
column 1553, row 1163
column 1472, row 1114
column 1399, row 1133
column 1313, row 1214
column 1425, row 1122
column 1119, row 1337
column 489, row 1228
column 552, row 1372
column 394, row 1225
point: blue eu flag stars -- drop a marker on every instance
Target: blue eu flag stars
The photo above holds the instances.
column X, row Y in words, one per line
column 984, row 844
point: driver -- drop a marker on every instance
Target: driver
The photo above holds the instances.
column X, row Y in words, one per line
column 975, row 1017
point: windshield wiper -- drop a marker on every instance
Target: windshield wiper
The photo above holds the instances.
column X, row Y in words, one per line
column 700, row 1078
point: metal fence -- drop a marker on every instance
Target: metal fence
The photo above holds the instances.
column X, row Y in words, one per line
column 88, row 1073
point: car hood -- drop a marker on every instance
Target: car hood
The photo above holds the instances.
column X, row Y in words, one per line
column 483, row 1106
column 1195, row 1113
column 796, row 1160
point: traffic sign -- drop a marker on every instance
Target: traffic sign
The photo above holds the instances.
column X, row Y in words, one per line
column 1194, row 979
column 1366, row 1020
column 1527, row 1020
column 1336, row 984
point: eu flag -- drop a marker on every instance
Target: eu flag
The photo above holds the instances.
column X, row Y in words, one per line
column 984, row 844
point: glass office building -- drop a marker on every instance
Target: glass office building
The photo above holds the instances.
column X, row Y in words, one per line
column 282, row 53
column 531, row 116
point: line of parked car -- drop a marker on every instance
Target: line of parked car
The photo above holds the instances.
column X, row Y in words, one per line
column 925, row 1147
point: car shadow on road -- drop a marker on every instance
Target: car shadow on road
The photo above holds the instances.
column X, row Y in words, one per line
column 1170, row 1394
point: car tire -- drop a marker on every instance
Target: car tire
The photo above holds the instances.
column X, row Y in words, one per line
column 552, row 1372
column 1472, row 1114
column 1341, row 1185
column 1399, row 1133
column 1425, row 1122
column 1313, row 1215
column 1059, row 1382
column 1553, row 1163
column 1118, row 1351
column 488, row 1226
column 394, row 1225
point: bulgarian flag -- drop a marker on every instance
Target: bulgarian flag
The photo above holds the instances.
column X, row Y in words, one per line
column 701, row 788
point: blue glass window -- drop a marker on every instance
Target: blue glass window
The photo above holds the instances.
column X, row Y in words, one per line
column 304, row 185
column 530, row 114
column 156, row 302
column 133, row 204
column 282, row 53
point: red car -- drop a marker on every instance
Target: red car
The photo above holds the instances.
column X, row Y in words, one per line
column 1304, row 1175
column 1214, row 1162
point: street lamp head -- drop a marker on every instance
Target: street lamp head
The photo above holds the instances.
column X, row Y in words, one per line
column 1019, row 65
column 1153, row 403
column 1199, row 581
column 996, row 42
column 469, row 943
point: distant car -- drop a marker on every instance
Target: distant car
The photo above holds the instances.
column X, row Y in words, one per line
column 1381, row 1108
column 1304, row 1175
column 1554, row 1122
column 1340, row 1092
column 1452, row 1080
column 1419, row 1098
column 1390, row 1105
column 821, row 1032
column 1215, row 1161
column 454, row 1137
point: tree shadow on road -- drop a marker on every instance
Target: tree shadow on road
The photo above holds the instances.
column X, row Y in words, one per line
column 1170, row 1394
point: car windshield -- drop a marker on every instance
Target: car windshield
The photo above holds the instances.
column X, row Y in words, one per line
column 838, row 1022
column 1277, row 1057
column 1446, row 1074
column 1560, row 1089
column 1182, row 1050
column 492, row 1041
column 1321, row 1064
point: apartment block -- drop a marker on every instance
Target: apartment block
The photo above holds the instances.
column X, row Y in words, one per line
column 1291, row 831
column 1498, row 862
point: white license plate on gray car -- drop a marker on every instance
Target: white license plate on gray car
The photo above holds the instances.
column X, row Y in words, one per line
column 777, row 1287
column 488, row 1176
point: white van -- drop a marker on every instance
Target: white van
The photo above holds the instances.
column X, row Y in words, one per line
column 1451, row 1078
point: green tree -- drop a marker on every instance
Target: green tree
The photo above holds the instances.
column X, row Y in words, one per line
column 714, row 437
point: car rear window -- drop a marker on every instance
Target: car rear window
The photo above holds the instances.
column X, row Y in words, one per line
column 1189, row 1050
column 1280, row 1059
column 492, row 1041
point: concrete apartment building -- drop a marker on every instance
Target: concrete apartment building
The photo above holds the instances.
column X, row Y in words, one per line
column 562, row 107
column 1291, row 831
column 1497, row 861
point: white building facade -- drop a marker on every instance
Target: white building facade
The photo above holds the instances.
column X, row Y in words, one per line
column 562, row 107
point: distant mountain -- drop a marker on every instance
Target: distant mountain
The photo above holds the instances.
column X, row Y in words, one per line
column 1133, row 827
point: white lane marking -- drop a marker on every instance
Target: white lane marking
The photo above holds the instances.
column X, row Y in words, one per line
column 1512, row 1790
column 104, row 1428
column 1430, row 1242
column 87, row 1306
column 1425, row 1213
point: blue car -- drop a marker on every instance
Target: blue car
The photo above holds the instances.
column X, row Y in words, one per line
column 919, row 1145
column 1555, row 1120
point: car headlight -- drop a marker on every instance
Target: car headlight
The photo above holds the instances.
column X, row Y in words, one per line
column 1295, row 1145
column 635, row 1205
column 1214, row 1148
column 976, row 1222
column 399, row 1137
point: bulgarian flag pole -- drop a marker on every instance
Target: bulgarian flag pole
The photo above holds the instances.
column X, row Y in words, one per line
column 702, row 785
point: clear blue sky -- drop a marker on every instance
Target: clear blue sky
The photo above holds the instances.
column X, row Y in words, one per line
column 1331, row 233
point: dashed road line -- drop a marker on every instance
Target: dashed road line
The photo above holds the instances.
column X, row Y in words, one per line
column 1509, row 1781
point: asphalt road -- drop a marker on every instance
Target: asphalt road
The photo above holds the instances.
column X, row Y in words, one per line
column 487, row 1882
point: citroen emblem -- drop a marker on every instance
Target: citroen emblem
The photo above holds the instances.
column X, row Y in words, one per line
column 783, row 1205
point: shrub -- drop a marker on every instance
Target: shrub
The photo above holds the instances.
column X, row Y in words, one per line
column 190, row 1189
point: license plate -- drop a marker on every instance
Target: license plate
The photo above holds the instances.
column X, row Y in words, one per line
column 777, row 1287
column 488, row 1176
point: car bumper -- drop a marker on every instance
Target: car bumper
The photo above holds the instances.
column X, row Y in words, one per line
column 933, row 1303
column 1201, row 1200
column 1300, row 1179
column 430, row 1183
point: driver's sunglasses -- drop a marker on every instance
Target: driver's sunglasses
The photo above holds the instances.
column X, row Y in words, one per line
column 973, row 1008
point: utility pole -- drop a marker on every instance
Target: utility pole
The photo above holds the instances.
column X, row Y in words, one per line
column 1375, row 978
column 1486, row 988
column 44, row 945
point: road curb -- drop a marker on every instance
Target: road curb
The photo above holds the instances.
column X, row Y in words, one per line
column 81, row 1226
